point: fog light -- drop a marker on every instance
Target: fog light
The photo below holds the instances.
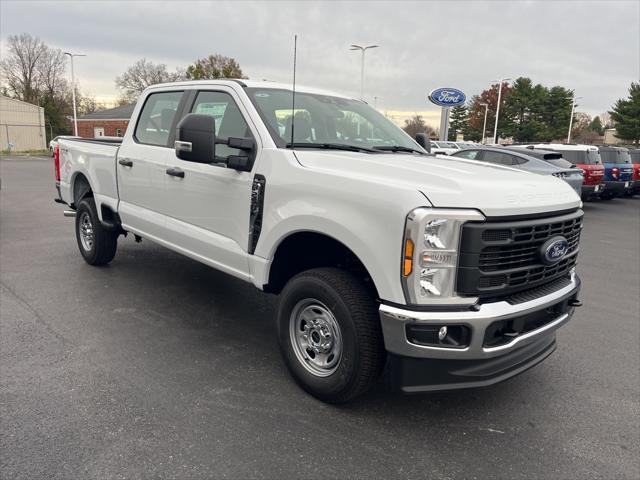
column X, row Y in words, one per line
column 442, row 333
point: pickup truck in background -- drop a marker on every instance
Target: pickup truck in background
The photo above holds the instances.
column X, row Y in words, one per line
column 451, row 272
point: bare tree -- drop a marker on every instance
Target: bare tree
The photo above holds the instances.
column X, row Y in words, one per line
column 51, row 68
column 20, row 68
column 143, row 74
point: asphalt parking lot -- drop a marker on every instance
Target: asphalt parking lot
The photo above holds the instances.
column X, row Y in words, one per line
column 157, row 366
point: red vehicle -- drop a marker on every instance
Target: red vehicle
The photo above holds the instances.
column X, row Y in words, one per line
column 635, row 160
column 585, row 157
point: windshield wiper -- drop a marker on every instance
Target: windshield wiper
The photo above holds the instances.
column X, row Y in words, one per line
column 329, row 146
column 398, row 148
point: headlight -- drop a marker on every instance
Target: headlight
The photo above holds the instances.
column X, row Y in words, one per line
column 430, row 255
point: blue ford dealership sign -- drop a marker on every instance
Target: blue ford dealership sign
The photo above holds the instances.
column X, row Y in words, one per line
column 447, row 97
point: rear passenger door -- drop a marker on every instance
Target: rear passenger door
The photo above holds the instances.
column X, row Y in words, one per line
column 142, row 161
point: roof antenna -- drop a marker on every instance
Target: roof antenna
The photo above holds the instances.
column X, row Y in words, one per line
column 293, row 93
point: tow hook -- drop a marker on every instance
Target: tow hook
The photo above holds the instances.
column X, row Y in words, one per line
column 69, row 213
column 574, row 302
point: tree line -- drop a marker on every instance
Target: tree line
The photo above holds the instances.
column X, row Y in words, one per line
column 37, row 73
column 535, row 113
column 145, row 73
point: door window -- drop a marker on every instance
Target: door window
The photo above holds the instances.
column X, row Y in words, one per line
column 156, row 118
column 498, row 158
column 229, row 121
column 470, row 154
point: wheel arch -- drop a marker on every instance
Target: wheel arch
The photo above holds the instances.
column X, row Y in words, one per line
column 306, row 249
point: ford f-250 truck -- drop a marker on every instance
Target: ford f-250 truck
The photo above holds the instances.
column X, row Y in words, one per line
column 451, row 272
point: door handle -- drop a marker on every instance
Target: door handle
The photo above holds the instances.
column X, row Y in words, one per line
column 175, row 172
column 125, row 162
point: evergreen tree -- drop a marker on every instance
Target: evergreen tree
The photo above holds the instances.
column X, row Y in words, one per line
column 626, row 115
column 457, row 121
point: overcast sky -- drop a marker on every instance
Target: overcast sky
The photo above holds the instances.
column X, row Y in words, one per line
column 592, row 47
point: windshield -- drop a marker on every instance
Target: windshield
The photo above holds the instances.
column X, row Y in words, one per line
column 635, row 156
column 323, row 120
column 624, row 157
column 615, row 156
column 559, row 162
column 583, row 157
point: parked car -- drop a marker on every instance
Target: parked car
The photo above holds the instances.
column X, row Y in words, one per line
column 587, row 158
column 443, row 148
column 635, row 162
column 54, row 141
column 524, row 159
column 455, row 273
column 462, row 145
column 618, row 176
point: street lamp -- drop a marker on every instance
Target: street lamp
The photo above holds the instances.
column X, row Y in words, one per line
column 573, row 106
column 484, row 126
column 495, row 130
column 362, row 49
column 73, row 91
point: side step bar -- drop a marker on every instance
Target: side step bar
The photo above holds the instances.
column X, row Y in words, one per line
column 69, row 213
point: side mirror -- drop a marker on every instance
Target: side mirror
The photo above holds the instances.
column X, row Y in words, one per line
column 196, row 138
column 423, row 141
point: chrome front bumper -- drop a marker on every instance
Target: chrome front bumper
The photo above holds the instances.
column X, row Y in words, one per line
column 395, row 320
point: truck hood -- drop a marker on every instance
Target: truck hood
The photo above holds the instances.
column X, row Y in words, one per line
column 451, row 182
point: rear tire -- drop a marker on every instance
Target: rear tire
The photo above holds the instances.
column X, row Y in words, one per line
column 97, row 244
column 330, row 335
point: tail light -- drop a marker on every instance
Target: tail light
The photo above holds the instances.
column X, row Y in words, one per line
column 56, row 162
column 615, row 173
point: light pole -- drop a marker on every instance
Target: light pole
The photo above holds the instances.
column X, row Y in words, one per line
column 362, row 49
column 573, row 106
column 73, row 91
column 495, row 129
column 484, row 126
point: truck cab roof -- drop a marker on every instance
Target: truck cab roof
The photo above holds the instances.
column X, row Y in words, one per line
column 231, row 82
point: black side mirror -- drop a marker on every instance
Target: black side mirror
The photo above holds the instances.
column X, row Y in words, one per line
column 423, row 141
column 196, row 138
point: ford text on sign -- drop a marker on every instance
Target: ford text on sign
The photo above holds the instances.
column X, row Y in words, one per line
column 447, row 97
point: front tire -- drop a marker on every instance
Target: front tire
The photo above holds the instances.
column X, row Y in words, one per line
column 330, row 335
column 97, row 244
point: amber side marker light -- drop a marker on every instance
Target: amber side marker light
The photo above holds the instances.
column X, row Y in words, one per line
column 407, row 265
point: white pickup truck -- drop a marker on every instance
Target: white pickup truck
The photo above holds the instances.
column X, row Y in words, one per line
column 450, row 272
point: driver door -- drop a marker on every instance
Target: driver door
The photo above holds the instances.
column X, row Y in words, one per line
column 208, row 207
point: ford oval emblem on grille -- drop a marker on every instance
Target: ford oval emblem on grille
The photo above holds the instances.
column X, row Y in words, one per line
column 553, row 250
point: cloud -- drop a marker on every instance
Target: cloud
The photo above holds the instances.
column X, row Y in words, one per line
column 591, row 47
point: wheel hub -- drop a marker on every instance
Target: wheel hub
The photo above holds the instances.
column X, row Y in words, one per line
column 315, row 337
column 86, row 231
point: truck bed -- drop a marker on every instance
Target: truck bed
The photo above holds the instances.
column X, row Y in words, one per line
column 95, row 158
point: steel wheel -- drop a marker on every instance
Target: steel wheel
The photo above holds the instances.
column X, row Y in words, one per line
column 86, row 231
column 315, row 337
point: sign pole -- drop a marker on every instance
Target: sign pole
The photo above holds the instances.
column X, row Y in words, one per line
column 444, row 124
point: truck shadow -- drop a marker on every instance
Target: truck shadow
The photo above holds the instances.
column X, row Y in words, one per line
column 235, row 324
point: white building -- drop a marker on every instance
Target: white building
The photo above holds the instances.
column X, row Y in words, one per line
column 21, row 126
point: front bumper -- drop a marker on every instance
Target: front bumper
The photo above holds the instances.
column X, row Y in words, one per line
column 476, row 364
